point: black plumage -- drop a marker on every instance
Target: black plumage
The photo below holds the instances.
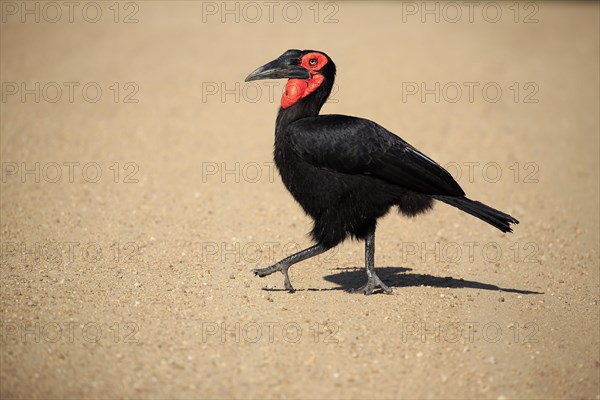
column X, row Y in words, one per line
column 346, row 172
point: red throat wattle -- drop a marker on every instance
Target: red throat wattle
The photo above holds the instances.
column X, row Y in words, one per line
column 297, row 89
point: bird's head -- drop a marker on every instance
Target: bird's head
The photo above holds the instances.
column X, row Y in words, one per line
column 306, row 71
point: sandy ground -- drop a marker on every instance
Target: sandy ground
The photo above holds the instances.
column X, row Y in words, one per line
column 130, row 220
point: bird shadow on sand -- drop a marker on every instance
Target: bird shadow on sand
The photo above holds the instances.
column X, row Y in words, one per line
column 398, row 277
column 350, row 278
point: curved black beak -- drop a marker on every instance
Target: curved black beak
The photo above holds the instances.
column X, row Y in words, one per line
column 286, row 66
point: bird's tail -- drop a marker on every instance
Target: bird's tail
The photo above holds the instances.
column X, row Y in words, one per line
column 485, row 213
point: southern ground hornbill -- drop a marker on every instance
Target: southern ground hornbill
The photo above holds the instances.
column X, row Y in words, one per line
column 347, row 172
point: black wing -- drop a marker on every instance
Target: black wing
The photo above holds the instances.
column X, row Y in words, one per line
column 353, row 145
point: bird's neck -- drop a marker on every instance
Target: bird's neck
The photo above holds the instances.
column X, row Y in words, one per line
column 305, row 107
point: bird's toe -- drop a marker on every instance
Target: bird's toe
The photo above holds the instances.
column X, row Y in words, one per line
column 261, row 272
column 365, row 289
column 370, row 287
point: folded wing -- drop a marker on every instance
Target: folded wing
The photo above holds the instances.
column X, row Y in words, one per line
column 353, row 145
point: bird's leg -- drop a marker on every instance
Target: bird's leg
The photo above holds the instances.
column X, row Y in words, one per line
column 287, row 262
column 373, row 280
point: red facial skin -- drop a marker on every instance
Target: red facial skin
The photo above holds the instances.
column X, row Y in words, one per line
column 296, row 89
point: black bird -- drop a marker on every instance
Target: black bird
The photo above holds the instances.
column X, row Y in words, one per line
column 346, row 172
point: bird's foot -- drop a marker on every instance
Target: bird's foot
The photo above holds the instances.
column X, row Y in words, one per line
column 286, row 280
column 262, row 272
column 372, row 283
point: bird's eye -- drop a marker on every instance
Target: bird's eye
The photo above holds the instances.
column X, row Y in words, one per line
column 312, row 62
